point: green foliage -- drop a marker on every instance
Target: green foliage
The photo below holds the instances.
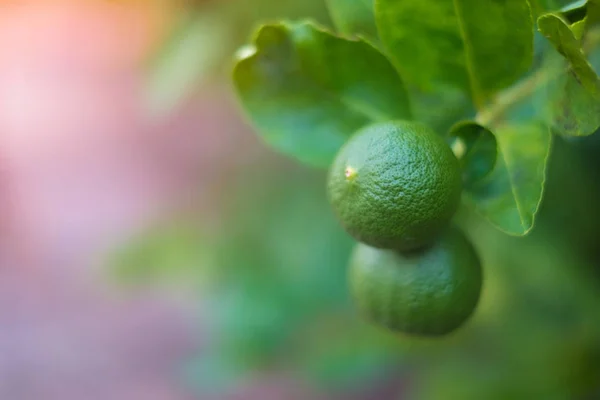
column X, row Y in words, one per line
column 277, row 267
column 557, row 31
column 479, row 46
column 574, row 110
column 573, row 93
column 510, row 195
column 281, row 303
column 307, row 90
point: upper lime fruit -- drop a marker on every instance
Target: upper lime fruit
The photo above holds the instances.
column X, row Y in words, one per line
column 395, row 185
column 429, row 292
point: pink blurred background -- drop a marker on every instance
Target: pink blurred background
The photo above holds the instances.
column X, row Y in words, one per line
column 83, row 166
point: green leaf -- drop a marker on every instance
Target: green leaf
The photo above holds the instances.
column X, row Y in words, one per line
column 542, row 6
column 441, row 110
column 573, row 110
column 480, row 46
column 578, row 28
column 475, row 147
column 352, row 17
column 556, row 29
column 307, row 91
column 510, row 195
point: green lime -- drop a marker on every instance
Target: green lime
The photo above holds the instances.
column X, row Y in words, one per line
column 395, row 185
column 429, row 292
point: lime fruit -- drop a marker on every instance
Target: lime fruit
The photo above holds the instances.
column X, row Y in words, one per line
column 395, row 185
column 429, row 292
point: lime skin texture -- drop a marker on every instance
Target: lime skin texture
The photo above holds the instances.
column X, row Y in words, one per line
column 430, row 292
column 395, row 185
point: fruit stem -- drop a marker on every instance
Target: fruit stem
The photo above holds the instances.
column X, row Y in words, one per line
column 350, row 173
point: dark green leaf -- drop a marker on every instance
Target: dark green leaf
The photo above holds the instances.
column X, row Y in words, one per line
column 441, row 109
column 558, row 32
column 498, row 37
column 475, row 147
column 480, row 46
column 353, row 17
column 307, row 91
column 510, row 195
column 424, row 40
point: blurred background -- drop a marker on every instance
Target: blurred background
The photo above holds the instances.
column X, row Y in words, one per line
column 152, row 248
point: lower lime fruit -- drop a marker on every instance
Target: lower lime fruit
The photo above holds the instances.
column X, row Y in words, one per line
column 430, row 292
column 395, row 185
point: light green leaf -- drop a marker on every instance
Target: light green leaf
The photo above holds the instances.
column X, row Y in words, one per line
column 480, row 46
column 510, row 195
column 353, row 17
column 556, row 29
column 475, row 147
column 307, row 91
column 578, row 28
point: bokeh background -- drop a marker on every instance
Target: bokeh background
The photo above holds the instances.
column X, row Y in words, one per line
column 152, row 248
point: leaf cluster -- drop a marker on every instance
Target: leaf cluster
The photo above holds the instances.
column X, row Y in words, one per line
column 496, row 78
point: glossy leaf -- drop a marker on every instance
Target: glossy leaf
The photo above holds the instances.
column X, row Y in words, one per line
column 354, row 17
column 475, row 147
column 481, row 46
column 556, row 29
column 510, row 195
column 307, row 91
